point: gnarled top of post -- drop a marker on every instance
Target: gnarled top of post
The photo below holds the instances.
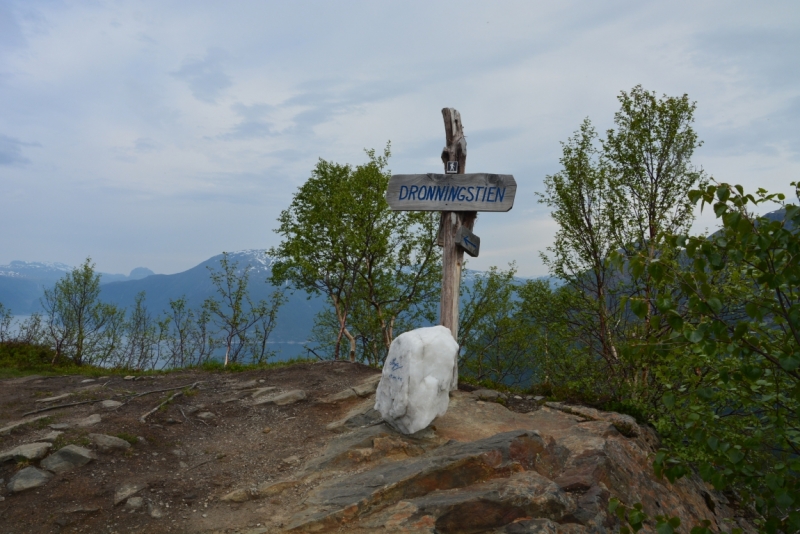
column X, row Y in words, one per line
column 456, row 148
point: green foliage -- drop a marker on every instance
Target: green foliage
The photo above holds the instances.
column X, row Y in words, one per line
column 615, row 202
column 21, row 356
column 77, row 324
column 188, row 340
column 633, row 518
column 732, row 368
column 495, row 345
column 377, row 268
column 130, row 438
column 245, row 326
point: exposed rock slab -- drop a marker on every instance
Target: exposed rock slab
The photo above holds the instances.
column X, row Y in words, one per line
column 28, row 478
column 28, row 451
column 282, row 399
column 53, row 399
column 51, row 436
column 129, row 489
column 88, row 421
column 110, row 404
column 107, row 443
column 4, row 431
column 260, row 392
column 454, row 465
column 482, row 468
column 68, row 458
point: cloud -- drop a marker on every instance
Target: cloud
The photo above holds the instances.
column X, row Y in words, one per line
column 10, row 33
column 145, row 144
column 11, row 151
column 252, row 126
column 205, row 77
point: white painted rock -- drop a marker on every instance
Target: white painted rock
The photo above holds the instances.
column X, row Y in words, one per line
column 418, row 375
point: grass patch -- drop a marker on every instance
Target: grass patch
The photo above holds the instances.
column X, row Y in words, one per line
column 214, row 365
column 41, row 424
column 130, row 438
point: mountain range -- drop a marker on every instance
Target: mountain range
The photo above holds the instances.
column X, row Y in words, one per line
column 22, row 285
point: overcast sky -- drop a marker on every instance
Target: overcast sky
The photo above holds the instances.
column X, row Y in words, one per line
column 160, row 133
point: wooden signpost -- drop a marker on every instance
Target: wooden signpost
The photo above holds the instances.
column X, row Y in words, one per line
column 459, row 196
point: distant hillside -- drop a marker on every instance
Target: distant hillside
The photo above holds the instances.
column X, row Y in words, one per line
column 22, row 283
column 295, row 318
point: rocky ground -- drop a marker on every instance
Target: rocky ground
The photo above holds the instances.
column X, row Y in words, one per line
column 300, row 449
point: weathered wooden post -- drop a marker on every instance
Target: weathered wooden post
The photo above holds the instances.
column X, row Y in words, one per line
column 459, row 196
column 455, row 151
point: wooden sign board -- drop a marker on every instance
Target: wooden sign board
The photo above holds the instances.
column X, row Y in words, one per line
column 451, row 192
column 468, row 241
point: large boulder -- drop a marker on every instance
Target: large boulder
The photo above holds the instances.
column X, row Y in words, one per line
column 417, row 378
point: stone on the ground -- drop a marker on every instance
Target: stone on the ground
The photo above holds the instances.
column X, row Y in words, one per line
column 291, row 460
column 28, row 451
column 260, row 392
column 290, row 397
column 28, row 478
column 51, row 436
column 134, row 503
column 154, row 511
column 206, row 416
column 53, row 399
column 68, row 458
column 126, row 490
column 487, row 394
column 237, row 495
column 22, row 422
column 110, row 404
column 107, row 443
column 89, row 421
column 368, row 386
column 129, row 377
column 345, row 394
column 60, row 426
column 245, row 385
column 417, row 378
column 88, row 380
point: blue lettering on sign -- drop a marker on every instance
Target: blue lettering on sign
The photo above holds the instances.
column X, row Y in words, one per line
column 469, row 243
column 394, row 365
column 452, row 193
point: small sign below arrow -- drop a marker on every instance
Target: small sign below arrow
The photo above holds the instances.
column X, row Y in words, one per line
column 468, row 241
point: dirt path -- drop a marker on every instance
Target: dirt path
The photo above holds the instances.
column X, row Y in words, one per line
column 182, row 462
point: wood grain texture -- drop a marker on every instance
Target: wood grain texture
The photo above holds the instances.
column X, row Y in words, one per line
column 453, row 256
column 451, row 192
